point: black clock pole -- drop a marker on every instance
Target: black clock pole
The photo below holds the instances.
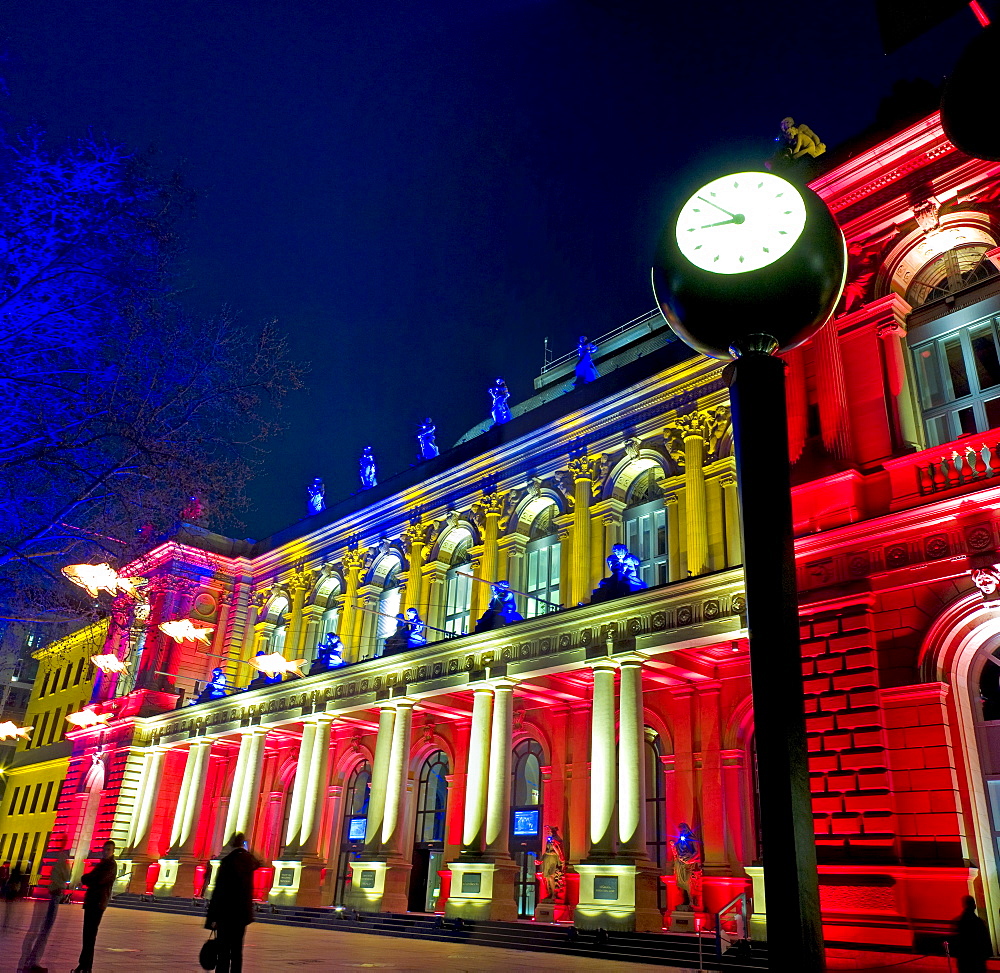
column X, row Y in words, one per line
column 760, row 426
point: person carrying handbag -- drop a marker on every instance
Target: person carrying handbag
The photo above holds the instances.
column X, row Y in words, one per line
column 230, row 910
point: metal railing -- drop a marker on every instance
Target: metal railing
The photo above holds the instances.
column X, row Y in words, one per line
column 621, row 329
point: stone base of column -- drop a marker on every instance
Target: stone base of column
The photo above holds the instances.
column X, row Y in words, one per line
column 167, row 878
column 482, row 890
column 186, row 883
column 124, row 879
column 210, row 886
column 618, row 896
column 758, row 918
column 379, row 886
column 296, row 883
column 137, row 875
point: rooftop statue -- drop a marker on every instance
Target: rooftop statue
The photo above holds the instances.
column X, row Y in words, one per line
column 216, row 688
column 586, row 370
column 329, row 655
column 800, row 140
column 317, row 497
column 425, row 437
column 369, row 475
column 624, row 578
column 500, row 396
column 502, row 609
column 409, row 634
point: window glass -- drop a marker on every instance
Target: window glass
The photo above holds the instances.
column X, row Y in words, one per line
column 541, row 576
column 458, row 591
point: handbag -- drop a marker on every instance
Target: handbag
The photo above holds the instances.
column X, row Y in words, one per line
column 208, row 955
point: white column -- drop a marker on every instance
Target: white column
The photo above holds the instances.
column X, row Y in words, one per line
column 478, row 772
column 316, row 788
column 380, row 768
column 180, row 808
column 498, row 788
column 200, row 753
column 602, row 762
column 730, row 501
column 232, row 813
column 251, row 781
column 302, row 768
column 394, row 816
column 631, row 776
column 145, row 800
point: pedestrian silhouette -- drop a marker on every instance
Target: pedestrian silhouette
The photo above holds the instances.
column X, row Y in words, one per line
column 99, row 881
column 230, row 909
column 33, row 949
column 970, row 943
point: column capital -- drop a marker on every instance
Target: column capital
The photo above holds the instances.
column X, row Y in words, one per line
column 632, row 659
column 727, row 480
column 251, row 731
column 670, row 499
column 353, row 560
column 504, row 682
column 605, row 663
column 491, row 504
column 586, row 467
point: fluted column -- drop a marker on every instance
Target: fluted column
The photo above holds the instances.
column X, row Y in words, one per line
column 498, row 787
column 302, row 769
column 394, row 816
column 831, row 392
column 903, row 412
column 297, row 586
column 414, row 537
column 672, row 504
column 631, row 776
column 564, row 531
column 198, row 756
column 246, row 783
column 730, row 503
column 316, row 785
column 697, row 508
column 584, row 470
column 350, row 620
column 477, row 772
column 602, row 762
column 380, row 770
column 146, row 796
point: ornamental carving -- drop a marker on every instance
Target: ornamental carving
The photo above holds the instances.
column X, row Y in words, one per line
column 418, row 533
column 711, row 609
column 353, row 560
column 494, row 504
column 739, row 604
column 987, row 579
column 709, row 425
column 936, row 546
column 979, row 538
column 586, row 467
column 897, row 556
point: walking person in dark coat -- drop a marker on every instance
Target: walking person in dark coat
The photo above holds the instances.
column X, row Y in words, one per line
column 970, row 944
column 230, row 909
column 99, row 881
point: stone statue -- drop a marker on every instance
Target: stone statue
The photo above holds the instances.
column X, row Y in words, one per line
column 216, row 688
column 502, row 609
column 586, row 370
column 369, row 475
column 317, row 497
column 500, row 396
column 409, row 634
column 800, row 140
column 329, row 655
column 625, row 577
column 425, row 436
column 553, row 864
column 987, row 580
column 687, row 867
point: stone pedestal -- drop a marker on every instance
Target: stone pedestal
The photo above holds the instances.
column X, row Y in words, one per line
column 138, row 874
column 686, row 920
column 482, row 890
column 617, row 896
column 167, row 878
column 758, row 918
column 378, row 886
column 296, row 883
column 186, row 880
column 546, row 910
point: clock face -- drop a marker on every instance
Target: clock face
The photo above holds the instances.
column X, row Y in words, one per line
column 740, row 222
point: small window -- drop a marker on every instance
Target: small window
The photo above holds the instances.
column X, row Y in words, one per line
column 48, row 797
column 13, row 800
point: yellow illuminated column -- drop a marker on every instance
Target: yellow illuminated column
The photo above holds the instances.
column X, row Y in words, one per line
column 697, row 516
column 583, row 469
column 631, row 776
column 673, row 536
column 602, row 762
column 734, row 543
column 564, row 531
column 498, row 787
column 298, row 584
column 350, row 622
column 380, row 769
column 317, row 782
column 414, row 538
column 478, row 772
column 302, row 770
column 246, row 783
column 394, row 816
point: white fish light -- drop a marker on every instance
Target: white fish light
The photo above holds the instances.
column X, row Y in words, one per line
column 184, row 630
column 86, row 717
column 11, row 731
column 275, row 663
column 109, row 662
column 99, row 577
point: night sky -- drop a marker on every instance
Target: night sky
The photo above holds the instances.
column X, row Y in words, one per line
column 420, row 193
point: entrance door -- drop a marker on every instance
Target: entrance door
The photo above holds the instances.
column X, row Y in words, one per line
column 428, row 834
column 417, row 901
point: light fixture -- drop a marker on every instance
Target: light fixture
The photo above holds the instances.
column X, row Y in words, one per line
column 184, row 630
column 98, row 577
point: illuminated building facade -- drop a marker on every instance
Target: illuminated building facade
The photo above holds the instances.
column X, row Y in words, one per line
column 427, row 779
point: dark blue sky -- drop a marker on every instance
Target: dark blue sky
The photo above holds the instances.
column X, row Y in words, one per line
column 422, row 192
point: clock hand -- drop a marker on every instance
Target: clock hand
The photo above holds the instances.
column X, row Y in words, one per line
column 716, row 205
column 737, row 219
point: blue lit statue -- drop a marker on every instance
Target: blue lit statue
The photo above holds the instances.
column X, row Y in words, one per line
column 500, row 396
column 625, row 577
column 317, row 497
column 409, row 634
column 502, row 609
column 586, row 370
column 262, row 679
column 329, row 655
column 369, row 475
column 687, row 868
column 425, row 436
column 215, row 688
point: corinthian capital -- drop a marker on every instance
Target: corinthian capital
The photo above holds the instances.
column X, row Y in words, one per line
column 490, row 505
column 418, row 532
column 709, row 425
column 586, row 467
column 353, row 560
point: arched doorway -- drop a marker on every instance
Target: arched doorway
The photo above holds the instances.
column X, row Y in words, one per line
column 428, row 833
column 656, row 810
column 526, row 822
column 352, row 832
column 89, row 797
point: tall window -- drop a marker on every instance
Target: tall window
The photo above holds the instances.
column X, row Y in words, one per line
column 526, row 817
column 428, row 835
column 656, row 810
column 388, row 606
column 352, row 836
column 541, row 563
column 458, row 590
column 645, row 527
column 958, row 377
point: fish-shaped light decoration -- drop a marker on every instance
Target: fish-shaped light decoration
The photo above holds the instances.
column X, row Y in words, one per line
column 11, row 731
column 109, row 662
column 86, row 717
column 99, row 577
column 276, row 663
column 184, row 630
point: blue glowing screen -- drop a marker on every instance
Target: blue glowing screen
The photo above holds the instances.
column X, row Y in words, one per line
column 357, row 829
column 526, row 822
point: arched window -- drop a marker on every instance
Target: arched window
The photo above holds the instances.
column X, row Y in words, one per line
column 388, row 606
column 526, row 822
column 541, row 565
column 645, row 526
column 458, row 589
column 656, row 809
column 949, row 273
column 428, row 834
column 352, row 836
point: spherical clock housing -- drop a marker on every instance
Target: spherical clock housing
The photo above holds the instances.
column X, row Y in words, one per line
column 749, row 253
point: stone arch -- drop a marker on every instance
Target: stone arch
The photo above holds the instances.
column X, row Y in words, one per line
column 619, row 481
column 529, row 509
column 451, row 539
column 275, row 608
column 384, row 566
column 328, row 589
